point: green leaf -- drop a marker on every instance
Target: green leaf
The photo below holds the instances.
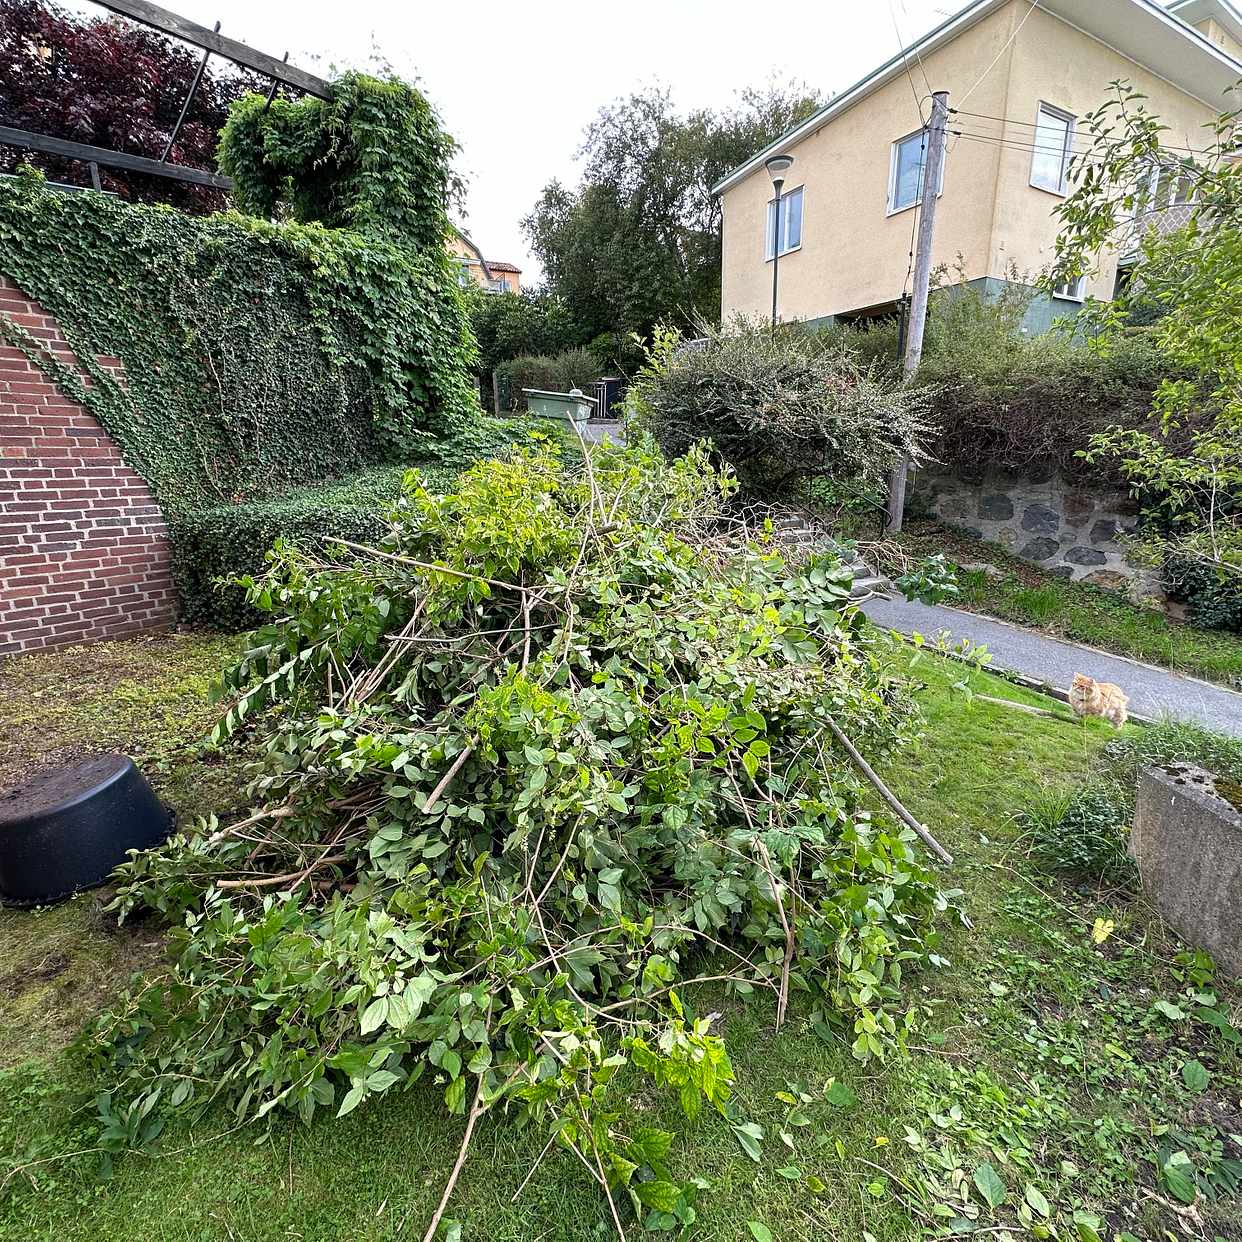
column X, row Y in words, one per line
column 1195, row 1076
column 1088, row 1225
column 1178, row 1175
column 353, row 1097
column 1173, row 1012
column 381, row 1080
column 750, row 1139
column 791, row 1172
column 1035, row 1198
column 839, row 1095
column 759, row 1231
column 455, row 1096
column 989, row 1184
column 374, row 1015
column 659, row 1195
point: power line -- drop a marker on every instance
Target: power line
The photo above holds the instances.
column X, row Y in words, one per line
column 905, row 62
column 1008, row 120
column 1004, row 49
column 917, row 55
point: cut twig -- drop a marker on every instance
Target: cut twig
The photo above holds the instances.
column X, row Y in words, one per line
column 430, row 565
column 1021, row 707
column 477, row 1109
column 447, row 779
column 887, row 794
column 782, row 997
column 294, row 877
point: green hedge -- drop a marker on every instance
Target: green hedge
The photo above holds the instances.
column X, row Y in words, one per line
column 1001, row 399
column 213, row 545
column 321, row 334
column 575, row 368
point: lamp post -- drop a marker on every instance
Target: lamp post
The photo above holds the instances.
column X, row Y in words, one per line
column 777, row 167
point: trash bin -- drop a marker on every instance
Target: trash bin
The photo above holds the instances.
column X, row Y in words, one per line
column 572, row 407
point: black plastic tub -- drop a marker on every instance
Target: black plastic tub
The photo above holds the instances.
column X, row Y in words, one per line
column 68, row 828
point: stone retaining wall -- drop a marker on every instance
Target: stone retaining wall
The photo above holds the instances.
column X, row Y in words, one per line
column 1066, row 528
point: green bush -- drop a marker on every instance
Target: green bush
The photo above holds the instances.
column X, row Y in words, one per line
column 1213, row 596
column 575, row 368
column 1083, row 833
column 1002, row 399
column 779, row 407
column 214, row 545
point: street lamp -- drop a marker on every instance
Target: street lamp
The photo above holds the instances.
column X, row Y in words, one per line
column 777, row 166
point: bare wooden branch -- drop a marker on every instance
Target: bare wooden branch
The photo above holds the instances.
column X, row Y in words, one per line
column 1021, row 707
column 430, row 565
column 447, row 779
column 887, row 794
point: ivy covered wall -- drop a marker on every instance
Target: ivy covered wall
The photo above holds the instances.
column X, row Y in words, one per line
column 263, row 352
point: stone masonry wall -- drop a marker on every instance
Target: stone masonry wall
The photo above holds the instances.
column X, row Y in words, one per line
column 84, row 549
column 1065, row 528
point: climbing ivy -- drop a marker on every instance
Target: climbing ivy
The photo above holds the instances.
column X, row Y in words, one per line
column 372, row 157
column 262, row 353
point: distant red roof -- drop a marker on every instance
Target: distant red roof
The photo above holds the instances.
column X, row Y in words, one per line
column 497, row 266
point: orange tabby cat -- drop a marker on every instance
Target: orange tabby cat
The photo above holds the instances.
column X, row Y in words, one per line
column 1089, row 697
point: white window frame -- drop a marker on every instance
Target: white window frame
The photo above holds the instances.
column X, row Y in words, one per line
column 1071, row 127
column 1071, row 291
column 891, row 209
column 767, row 224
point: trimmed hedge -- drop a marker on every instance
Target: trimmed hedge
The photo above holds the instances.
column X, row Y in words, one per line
column 211, row 546
column 1003, row 400
column 575, row 368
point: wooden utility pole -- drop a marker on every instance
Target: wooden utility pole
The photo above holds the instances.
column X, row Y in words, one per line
column 933, row 165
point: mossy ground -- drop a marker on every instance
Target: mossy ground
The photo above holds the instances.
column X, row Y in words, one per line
column 1044, row 1042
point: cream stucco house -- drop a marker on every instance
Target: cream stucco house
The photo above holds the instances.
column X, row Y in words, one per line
column 1019, row 75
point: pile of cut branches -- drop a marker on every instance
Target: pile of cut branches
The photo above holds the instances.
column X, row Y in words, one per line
column 560, row 748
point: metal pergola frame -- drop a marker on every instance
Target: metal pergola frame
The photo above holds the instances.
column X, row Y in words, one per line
column 212, row 42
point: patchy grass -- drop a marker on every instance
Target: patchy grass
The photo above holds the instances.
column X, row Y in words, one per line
column 1027, row 595
column 1041, row 1054
column 147, row 698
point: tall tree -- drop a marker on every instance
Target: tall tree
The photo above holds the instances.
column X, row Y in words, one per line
column 640, row 240
column 111, row 83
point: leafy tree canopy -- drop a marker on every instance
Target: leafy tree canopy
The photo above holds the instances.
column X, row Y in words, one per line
column 639, row 241
column 111, row 83
column 1188, row 281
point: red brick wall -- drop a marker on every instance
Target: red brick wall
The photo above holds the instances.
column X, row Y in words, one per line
column 83, row 546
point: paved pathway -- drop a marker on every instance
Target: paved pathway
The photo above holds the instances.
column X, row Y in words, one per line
column 1153, row 692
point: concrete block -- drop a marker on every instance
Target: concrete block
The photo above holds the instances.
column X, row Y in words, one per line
column 1187, row 841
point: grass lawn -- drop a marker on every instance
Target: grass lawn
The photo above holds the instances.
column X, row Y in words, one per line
column 1025, row 594
column 1043, row 1060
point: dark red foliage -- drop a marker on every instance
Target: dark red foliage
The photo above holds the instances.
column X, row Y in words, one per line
column 111, row 83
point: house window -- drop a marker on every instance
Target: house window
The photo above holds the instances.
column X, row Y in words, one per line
column 1070, row 290
column 905, row 181
column 790, row 229
column 1054, row 145
column 1169, row 183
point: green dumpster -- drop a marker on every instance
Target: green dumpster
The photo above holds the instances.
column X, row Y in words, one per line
column 573, row 407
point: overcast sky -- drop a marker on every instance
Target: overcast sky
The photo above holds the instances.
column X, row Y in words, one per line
column 516, row 83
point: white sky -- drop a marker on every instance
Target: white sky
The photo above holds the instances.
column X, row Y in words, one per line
column 517, row 83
